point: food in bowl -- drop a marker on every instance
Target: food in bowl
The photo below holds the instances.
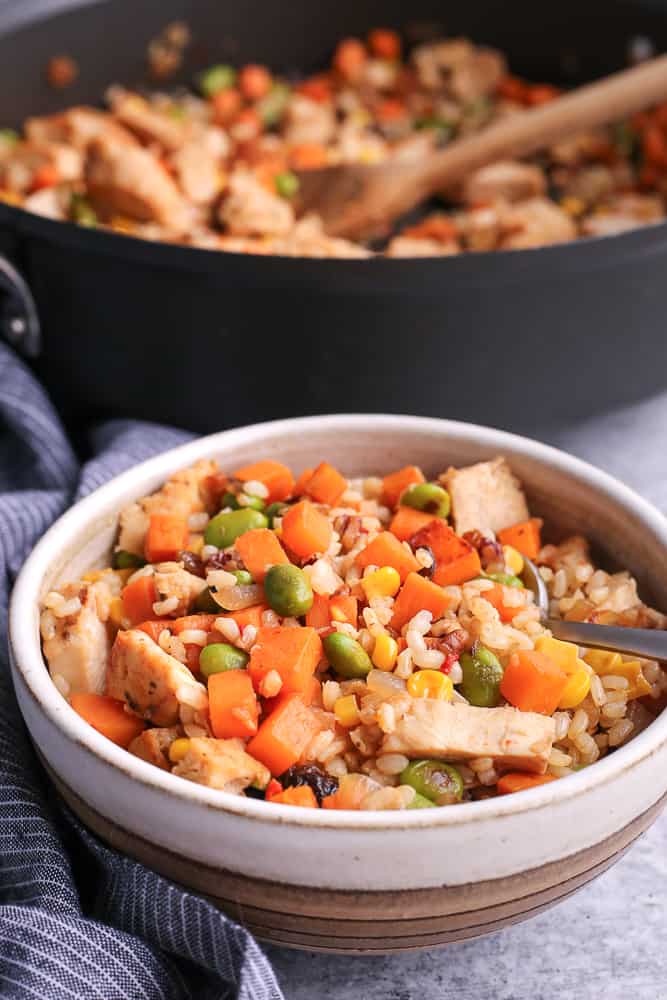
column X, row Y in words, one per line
column 217, row 169
column 348, row 644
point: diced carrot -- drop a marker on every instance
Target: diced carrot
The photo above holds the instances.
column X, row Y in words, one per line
column 418, row 594
column 293, row 652
column 189, row 623
column 259, row 549
column 277, row 478
column 326, row 485
column 254, row 82
column 247, row 616
column 517, row 781
column 407, row 522
column 153, row 628
column 386, row 550
column 45, row 176
column 496, row 596
column 226, row 105
column 542, row 93
column 308, row 156
column 305, row 531
column 391, row 110
column 311, row 694
column 318, row 616
column 232, row 705
column 532, row 682
column 524, row 536
column 385, row 43
column 435, row 227
column 343, row 608
column 192, row 654
column 212, row 488
column 167, row 536
column 139, row 596
column 273, row 788
column 465, row 567
column 108, row 717
column 317, row 88
column 301, row 795
column 350, row 58
column 284, row 735
column 250, row 120
column 396, row 483
column 300, row 484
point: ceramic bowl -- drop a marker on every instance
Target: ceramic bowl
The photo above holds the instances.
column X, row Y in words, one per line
column 353, row 882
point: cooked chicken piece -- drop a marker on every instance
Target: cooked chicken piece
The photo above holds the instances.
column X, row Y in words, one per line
column 622, row 213
column 588, row 184
column 479, row 76
column 485, row 497
column 78, row 650
column 421, row 246
column 152, row 683
column 153, row 746
column 20, row 164
column 147, row 122
column 308, row 239
column 508, row 180
column 537, row 222
column 197, row 172
column 78, row 127
column 171, row 580
column 482, row 228
column 181, row 496
column 52, row 203
column 453, row 731
column 308, row 121
column 131, row 182
column 467, row 71
column 250, row 210
column 222, row 764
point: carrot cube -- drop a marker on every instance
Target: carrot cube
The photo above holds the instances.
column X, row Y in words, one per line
column 418, row 594
column 108, row 717
column 305, row 531
column 138, row 597
column 260, row 549
column 166, row 537
column 326, row 485
column 277, row 478
column 386, row 550
column 233, row 705
column 302, row 795
column 407, row 522
column 293, row 652
column 532, row 682
column 524, row 537
column 284, row 735
column 396, row 483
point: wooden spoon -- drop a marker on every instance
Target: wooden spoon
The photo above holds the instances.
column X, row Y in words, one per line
column 360, row 201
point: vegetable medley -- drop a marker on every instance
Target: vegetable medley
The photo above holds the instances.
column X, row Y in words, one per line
column 348, row 644
column 217, row 168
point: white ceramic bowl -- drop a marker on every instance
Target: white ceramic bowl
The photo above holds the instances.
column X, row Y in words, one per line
column 354, row 881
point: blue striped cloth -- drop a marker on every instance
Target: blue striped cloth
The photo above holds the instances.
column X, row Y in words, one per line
column 77, row 920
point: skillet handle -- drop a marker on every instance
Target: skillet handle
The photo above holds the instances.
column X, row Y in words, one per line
column 19, row 322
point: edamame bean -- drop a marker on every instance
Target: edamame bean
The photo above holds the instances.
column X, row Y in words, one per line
column 429, row 497
column 482, row 674
column 223, row 529
column 347, row 658
column 288, row 590
column 220, row 656
column 127, row 560
column 439, row 782
column 507, row 579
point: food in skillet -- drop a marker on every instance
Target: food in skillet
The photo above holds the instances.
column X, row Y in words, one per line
column 216, row 170
column 363, row 644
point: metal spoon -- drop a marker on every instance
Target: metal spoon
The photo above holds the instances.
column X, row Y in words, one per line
column 645, row 642
column 357, row 200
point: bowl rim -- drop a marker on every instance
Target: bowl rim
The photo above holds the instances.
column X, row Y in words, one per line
column 29, row 664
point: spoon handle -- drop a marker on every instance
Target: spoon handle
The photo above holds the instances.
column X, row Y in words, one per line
column 645, row 642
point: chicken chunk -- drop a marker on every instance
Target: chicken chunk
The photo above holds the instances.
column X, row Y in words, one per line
column 467, row 71
column 537, row 222
column 153, row 746
column 19, row 166
column 77, row 646
column 508, row 180
column 421, row 246
column 78, row 127
column 513, row 739
column 250, row 210
column 623, row 213
column 222, row 764
column 147, row 122
column 181, row 496
column 308, row 121
column 131, row 182
column 198, row 172
column 52, row 202
column 151, row 682
column 485, row 497
column 171, row 580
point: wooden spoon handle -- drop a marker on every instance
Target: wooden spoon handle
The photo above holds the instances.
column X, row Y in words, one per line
column 530, row 131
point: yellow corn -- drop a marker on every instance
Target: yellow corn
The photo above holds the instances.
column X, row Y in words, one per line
column 431, row 684
column 116, row 612
column 383, row 582
column 606, row 664
column 196, row 544
column 385, row 652
column 577, row 687
column 93, row 576
column 513, row 560
column 178, row 750
column 564, row 654
column 346, row 711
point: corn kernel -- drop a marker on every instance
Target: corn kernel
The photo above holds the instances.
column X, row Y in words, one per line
column 346, row 711
column 116, row 612
column 577, row 687
column 431, row 684
column 513, row 560
column 603, row 661
column 564, row 654
column 196, row 544
column 178, row 750
column 385, row 652
column 606, row 664
column 383, row 582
